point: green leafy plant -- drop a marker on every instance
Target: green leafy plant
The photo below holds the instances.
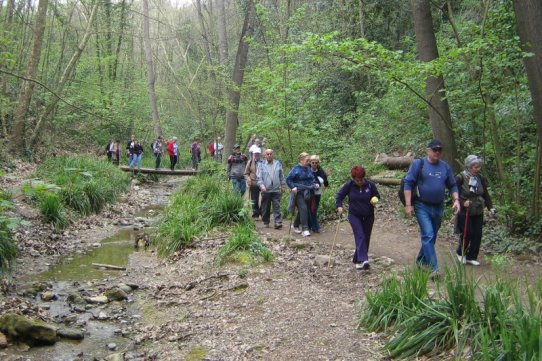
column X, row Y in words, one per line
column 52, row 210
column 8, row 247
column 244, row 246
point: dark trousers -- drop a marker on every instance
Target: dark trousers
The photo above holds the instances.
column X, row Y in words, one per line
column 254, row 193
column 470, row 247
column 269, row 198
column 109, row 156
column 362, row 228
column 158, row 160
column 313, row 216
column 195, row 161
column 302, row 217
column 172, row 161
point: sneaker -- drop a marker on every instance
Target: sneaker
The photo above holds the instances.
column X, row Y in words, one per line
column 315, row 231
column 359, row 265
column 461, row 259
column 266, row 225
column 278, row 226
column 473, row 262
column 306, row 233
column 365, row 265
column 297, row 229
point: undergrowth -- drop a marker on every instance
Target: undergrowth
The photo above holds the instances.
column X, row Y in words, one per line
column 8, row 246
column 504, row 325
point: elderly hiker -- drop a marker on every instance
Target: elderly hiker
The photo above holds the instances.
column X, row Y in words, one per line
column 158, row 149
column 173, row 151
column 195, row 151
column 321, row 177
column 302, row 183
column 270, row 179
column 237, row 163
column 435, row 176
column 130, row 148
column 473, row 196
column 137, row 155
column 252, row 183
column 362, row 196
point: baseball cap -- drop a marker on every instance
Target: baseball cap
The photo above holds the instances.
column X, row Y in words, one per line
column 435, row 143
column 235, row 146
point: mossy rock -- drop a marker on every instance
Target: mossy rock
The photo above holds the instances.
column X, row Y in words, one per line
column 116, row 294
column 30, row 331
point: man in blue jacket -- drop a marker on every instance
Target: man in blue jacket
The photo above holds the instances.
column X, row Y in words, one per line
column 428, row 203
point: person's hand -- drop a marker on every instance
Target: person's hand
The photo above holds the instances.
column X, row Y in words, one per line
column 316, row 185
column 466, row 204
column 492, row 212
column 408, row 210
column 456, row 206
column 294, row 189
column 263, row 189
column 374, row 200
column 282, row 189
column 340, row 210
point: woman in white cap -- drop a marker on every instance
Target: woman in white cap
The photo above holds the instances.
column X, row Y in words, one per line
column 473, row 196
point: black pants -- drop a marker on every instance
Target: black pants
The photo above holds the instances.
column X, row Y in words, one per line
column 173, row 161
column 471, row 244
column 254, row 192
column 158, row 160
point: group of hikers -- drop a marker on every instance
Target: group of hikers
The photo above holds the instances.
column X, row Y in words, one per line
column 135, row 150
column 425, row 185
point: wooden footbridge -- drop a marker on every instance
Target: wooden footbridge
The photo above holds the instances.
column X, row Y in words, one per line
column 165, row 171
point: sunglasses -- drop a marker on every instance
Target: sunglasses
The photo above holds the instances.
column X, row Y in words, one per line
column 315, row 162
column 436, row 149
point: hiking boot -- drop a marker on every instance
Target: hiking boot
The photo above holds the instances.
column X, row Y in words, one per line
column 278, row 225
column 297, row 229
column 306, row 233
column 461, row 259
column 473, row 262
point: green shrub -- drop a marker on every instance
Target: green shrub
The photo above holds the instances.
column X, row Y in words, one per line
column 244, row 246
column 52, row 210
column 8, row 247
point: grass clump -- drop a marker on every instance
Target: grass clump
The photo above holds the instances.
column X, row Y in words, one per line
column 52, row 211
column 244, row 246
column 8, row 247
column 503, row 326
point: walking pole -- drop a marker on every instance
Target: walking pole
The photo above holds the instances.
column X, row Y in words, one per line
column 291, row 221
column 464, row 243
column 334, row 240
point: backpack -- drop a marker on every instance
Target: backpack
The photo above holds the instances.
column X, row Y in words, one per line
column 415, row 191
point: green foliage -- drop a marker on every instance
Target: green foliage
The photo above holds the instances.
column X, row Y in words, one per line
column 52, row 210
column 8, row 247
column 505, row 326
column 244, row 246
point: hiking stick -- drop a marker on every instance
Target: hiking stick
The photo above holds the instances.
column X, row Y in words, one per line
column 291, row 221
column 464, row 241
column 334, row 240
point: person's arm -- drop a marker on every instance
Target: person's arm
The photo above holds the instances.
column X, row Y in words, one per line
column 410, row 180
column 339, row 197
column 487, row 198
column 290, row 179
column 452, row 187
column 324, row 177
column 228, row 168
column 259, row 178
column 247, row 173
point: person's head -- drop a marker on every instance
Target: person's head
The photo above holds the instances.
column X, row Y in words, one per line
column 303, row 159
column 269, row 155
column 132, row 137
column 196, row 139
column 174, row 139
column 358, row 175
column 314, row 161
column 434, row 150
column 218, row 139
column 473, row 163
column 257, row 141
column 160, row 138
column 117, row 141
column 264, row 140
column 257, row 154
column 236, row 149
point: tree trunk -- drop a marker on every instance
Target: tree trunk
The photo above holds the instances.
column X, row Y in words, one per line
column 65, row 75
column 439, row 112
column 528, row 15
column 238, row 74
column 27, row 87
column 120, row 39
column 150, row 69
column 222, row 34
column 206, row 46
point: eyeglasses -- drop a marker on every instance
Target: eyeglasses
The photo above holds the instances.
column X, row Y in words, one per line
column 436, row 149
column 315, row 162
column 268, row 153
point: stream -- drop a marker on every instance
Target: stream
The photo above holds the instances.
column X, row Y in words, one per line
column 106, row 327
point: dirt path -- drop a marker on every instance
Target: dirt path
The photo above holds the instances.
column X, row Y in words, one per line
column 188, row 308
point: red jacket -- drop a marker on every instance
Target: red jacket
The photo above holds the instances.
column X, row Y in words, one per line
column 170, row 149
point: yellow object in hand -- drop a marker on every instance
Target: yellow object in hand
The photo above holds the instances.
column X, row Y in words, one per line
column 374, row 200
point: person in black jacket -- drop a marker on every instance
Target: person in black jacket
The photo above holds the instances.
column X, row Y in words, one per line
column 321, row 177
column 130, row 148
column 137, row 155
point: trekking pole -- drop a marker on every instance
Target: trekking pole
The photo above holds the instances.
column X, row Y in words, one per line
column 292, row 219
column 334, row 240
column 464, row 241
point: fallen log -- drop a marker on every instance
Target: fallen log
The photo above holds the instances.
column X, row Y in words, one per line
column 386, row 181
column 395, row 162
column 109, row 266
column 160, row 171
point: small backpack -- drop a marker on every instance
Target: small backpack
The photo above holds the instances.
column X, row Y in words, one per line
column 415, row 191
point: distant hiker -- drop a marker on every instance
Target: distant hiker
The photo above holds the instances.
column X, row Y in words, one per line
column 270, row 179
column 473, row 196
column 130, row 148
column 237, row 163
column 250, row 142
column 173, row 151
column 116, row 150
column 435, row 177
column 362, row 196
column 109, row 150
column 137, row 155
column 265, row 143
column 254, row 147
column 252, row 183
column 302, row 183
column 195, row 151
column 321, row 177
column 219, row 149
column 158, row 149
column 211, row 148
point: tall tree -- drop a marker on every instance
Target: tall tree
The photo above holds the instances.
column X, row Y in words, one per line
column 439, row 111
column 232, row 119
column 222, row 33
column 150, row 69
column 27, row 86
column 528, row 16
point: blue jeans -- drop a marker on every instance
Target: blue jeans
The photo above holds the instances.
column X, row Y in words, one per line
column 239, row 185
column 429, row 217
column 136, row 160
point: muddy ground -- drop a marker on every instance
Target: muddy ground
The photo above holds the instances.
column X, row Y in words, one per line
column 295, row 308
